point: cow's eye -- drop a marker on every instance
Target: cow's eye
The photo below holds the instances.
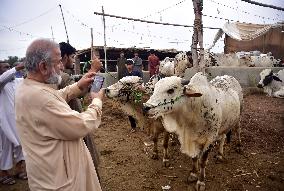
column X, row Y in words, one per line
column 170, row 91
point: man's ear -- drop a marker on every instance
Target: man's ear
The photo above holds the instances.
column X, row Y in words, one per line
column 189, row 91
column 64, row 58
column 42, row 66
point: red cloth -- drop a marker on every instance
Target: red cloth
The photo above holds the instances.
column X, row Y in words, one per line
column 153, row 64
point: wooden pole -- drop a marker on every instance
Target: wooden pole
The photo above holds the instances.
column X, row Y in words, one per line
column 197, row 37
column 64, row 24
column 104, row 22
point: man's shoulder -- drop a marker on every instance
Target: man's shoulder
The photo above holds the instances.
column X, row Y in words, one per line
column 66, row 80
column 136, row 73
column 65, row 75
column 121, row 59
column 34, row 91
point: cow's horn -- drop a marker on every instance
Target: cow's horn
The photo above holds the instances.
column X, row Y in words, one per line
column 184, row 82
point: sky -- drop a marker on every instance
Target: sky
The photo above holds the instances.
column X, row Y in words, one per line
column 22, row 21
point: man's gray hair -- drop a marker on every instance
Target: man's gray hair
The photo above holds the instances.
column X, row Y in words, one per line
column 39, row 50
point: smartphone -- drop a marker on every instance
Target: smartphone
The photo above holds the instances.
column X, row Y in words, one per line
column 97, row 84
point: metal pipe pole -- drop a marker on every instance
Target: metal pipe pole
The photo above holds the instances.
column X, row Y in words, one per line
column 92, row 53
column 64, row 24
column 104, row 22
column 52, row 33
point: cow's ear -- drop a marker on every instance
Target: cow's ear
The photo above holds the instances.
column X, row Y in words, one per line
column 276, row 78
column 191, row 92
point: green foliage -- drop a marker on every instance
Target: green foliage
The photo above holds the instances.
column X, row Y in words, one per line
column 137, row 95
column 12, row 60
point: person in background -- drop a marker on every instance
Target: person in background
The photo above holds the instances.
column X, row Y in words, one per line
column 68, row 59
column 131, row 72
column 130, row 69
column 121, row 61
column 189, row 55
column 10, row 145
column 111, row 66
column 153, row 63
column 138, row 66
column 51, row 132
column 20, row 73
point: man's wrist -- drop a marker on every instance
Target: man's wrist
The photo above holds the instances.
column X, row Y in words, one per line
column 98, row 102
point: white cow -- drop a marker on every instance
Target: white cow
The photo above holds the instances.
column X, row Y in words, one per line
column 263, row 61
column 149, row 86
column 126, row 93
column 200, row 113
column 175, row 66
column 169, row 67
column 240, row 59
column 272, row 83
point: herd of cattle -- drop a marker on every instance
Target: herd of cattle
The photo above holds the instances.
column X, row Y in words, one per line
column 176, row 66
column 240, row 59
column 200, row 112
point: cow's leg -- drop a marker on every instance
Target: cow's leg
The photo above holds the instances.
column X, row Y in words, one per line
column 221, row 148
column 200, row 185
column 173, row 139
column 132, row 123
column 279, row 93
column 193, row 177
column 239, row 137
column 166, row 160
column 155, row 149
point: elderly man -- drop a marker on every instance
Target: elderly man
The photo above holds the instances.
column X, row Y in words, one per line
column 10, row 146
column 50, row 131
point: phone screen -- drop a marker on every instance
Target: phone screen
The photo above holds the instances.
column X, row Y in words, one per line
column 97, row 84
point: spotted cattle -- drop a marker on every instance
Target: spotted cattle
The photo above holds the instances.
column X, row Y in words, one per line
column 272, row 83
column 124, row 92
column 199, row 112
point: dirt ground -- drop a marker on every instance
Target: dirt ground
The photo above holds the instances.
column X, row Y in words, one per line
column 126, row 163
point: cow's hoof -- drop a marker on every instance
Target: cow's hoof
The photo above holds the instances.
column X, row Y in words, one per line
column 200, row 186
column 219, row 159
column 166, row 162
column 239, row 149
column 192, row 177
column 155, row 156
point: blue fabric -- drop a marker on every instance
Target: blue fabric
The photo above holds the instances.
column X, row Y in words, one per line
column 133, row 73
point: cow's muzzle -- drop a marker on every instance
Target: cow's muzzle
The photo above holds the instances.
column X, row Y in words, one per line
column 145, row 109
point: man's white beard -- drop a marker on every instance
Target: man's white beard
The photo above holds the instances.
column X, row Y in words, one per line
column 54, row 79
